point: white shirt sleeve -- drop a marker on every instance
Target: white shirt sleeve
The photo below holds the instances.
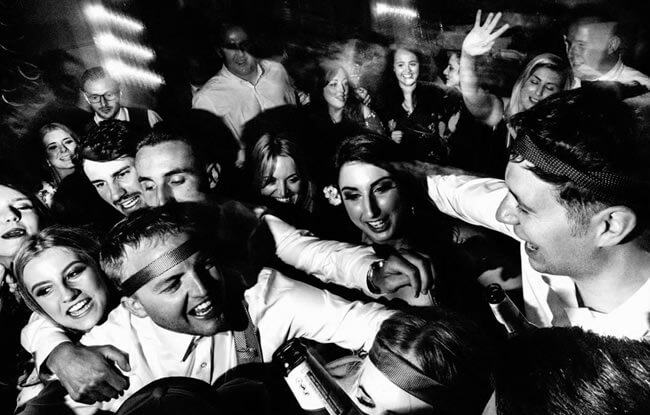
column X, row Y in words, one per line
column 330, row 261
column 472, row 199
column 283, row 309
column 40, row 336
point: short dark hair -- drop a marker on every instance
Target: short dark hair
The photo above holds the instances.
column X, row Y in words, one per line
column 93, row 74
column 196, row 220
column 566, row 371
column 109, row 141
column 448, row 348
column 591, row 130
column 159, row 136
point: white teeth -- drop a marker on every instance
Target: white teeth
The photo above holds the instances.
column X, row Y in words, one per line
column 130, row 202
column 283, row 199
column 377, row 224
column 79, row 308
column 203, row 308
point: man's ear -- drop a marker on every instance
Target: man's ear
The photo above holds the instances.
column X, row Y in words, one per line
column 614, row 44
column 616, row 223
column 134, row 306
column 214, row 174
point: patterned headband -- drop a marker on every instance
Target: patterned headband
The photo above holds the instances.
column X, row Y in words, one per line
column 158, row 266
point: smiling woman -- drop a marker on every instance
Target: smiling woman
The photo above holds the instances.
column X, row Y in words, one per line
column 279, row 171
column 55, row 152
column 58, row 277
column 388, row 207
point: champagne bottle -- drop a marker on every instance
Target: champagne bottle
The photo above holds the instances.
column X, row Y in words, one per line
column 314, row 389
column 505, row 311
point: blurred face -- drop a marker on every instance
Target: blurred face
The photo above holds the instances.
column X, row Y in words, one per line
column 60, row 149
column 406, row 67
column 188, row 298
column 235, row 53
column 539, row 219
column 539, row 85
column 18, row 220
column 117, row 183
column 587, row 46
column 376, row 395
column 336, row 90
column 373, row 201
column 103, row 95
column 283, row 183
column 168, row 173
column 452, row 71
column 70, row 291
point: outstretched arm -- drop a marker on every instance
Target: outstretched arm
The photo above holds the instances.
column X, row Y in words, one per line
column 483, row 105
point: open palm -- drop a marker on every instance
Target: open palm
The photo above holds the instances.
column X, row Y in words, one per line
column 480, row 39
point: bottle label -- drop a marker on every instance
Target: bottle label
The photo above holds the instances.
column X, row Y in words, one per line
column 302, row 386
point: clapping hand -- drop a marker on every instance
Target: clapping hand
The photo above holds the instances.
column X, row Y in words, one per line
column 480, row 39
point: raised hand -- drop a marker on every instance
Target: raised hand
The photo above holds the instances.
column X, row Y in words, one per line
column 481, row 38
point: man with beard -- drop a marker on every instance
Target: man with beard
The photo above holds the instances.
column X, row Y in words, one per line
column 103, row 94
column 245, row 86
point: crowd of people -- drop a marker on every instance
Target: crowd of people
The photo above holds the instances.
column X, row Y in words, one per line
column 156, row 257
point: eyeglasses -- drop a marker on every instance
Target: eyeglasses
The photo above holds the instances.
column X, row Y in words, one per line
column 244, row 46
column 108, row 96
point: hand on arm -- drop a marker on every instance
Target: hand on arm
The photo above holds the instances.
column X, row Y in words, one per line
column 89, row 373
column 483, row 105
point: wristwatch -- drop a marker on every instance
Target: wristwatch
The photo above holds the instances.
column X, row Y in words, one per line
column 375, row 268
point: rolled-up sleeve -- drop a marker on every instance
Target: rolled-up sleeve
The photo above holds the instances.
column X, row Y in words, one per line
column 330, row 261
column 472, row 199
column 283, row 309
column 40, row 336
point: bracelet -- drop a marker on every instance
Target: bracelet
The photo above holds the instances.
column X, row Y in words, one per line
column 374, row 267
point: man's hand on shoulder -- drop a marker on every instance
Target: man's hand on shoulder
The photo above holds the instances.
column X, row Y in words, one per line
column 89, row 373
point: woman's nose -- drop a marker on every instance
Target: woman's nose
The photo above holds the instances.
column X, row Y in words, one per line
column 11, row 214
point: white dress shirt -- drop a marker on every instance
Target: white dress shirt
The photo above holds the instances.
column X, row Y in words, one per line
column 620, row 73
column 237, row 101
column 550, row 300
column 281, row 309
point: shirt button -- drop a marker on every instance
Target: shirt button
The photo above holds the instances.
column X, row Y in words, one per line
column 203, row 365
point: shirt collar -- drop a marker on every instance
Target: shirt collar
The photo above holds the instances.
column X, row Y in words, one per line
column 122, row 115
column 260, row 72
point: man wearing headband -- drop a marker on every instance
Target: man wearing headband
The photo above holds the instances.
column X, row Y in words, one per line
column 575, row 196
column 184, row 310
column 432, row 364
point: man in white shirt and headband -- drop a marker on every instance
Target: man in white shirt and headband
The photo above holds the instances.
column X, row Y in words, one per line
column 184, row 311
column 576, row 197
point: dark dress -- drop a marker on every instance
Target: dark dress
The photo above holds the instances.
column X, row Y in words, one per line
column 426, row 128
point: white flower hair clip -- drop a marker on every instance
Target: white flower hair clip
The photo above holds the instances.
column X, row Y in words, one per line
column 332, row 195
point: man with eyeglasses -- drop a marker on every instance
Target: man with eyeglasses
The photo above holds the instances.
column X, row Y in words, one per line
column 245, row 86
column 103, row 94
